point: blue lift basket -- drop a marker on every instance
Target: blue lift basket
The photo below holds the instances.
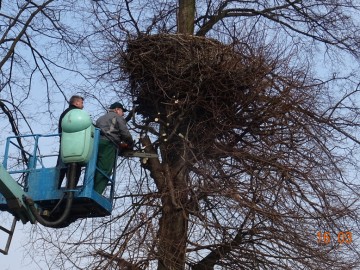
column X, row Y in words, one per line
column 40, row 183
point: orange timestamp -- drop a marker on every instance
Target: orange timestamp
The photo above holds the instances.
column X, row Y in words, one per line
column 342, row 237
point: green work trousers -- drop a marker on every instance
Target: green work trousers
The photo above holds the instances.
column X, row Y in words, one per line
column 105, row 162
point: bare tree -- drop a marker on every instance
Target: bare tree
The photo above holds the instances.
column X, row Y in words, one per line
column 31, row 34
column 248, row 172
column 254, row 150
column 38, row 62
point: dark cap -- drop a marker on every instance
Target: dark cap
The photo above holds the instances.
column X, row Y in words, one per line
column 118, row 105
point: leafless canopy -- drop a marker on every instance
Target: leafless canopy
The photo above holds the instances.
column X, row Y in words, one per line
column 249, row 156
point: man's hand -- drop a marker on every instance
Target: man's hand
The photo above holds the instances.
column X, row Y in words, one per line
column 124, row 146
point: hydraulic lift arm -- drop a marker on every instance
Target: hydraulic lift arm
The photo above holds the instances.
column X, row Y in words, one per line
column 14, row 196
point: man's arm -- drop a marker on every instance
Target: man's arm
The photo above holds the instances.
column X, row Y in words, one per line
column 124, row 132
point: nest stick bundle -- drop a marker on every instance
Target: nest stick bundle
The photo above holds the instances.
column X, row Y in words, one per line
column 197, row 81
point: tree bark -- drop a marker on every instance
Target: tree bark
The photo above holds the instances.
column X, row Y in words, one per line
column 173, row 224
column 186, row 17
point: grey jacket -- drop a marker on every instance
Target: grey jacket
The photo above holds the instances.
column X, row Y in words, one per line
column 114, row 127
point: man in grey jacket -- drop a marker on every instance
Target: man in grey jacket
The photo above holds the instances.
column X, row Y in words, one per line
column 114, row 134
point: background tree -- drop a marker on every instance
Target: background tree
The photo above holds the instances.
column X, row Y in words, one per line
column 33, row 68
column 38, row 70
column 256, row 148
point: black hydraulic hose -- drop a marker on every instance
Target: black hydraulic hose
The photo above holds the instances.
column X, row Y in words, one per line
column 69, row 200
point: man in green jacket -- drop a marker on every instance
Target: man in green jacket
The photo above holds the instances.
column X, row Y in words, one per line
column 114, row 133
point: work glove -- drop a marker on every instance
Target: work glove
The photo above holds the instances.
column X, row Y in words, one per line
column 124, row 146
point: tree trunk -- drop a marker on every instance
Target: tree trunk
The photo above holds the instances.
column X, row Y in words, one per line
column 172, row 240
column 171, row 180
column 186, row 17
column 173, row 222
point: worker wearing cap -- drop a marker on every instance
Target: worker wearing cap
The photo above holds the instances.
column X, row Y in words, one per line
column 114, row 133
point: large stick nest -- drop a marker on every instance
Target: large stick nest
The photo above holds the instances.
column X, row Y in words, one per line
column 199, row 82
